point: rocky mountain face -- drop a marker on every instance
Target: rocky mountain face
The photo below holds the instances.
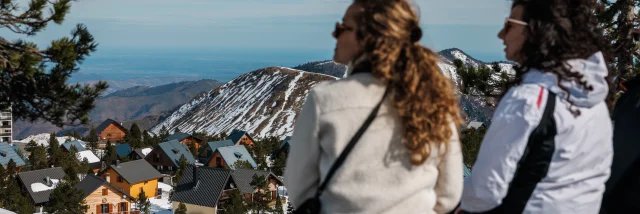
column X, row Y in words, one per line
column 265, row 102
column 144, row 105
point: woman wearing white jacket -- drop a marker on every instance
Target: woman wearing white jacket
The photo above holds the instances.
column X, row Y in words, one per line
column 408, row 160
column 549, row 146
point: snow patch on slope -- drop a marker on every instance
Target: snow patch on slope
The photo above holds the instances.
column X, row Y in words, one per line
column 43, row 139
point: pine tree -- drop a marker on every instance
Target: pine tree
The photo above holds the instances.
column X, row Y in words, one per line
column 262, row 196
column 471, row 139
column 618, row 18
column 86, row 167
column 12, row 169
column 14, row 200
column 30, row 146
column 147, row 139
column 143, row 202
column 71, row 165
column 279, row 164
column 33, row 90
column 242, row 164
column 236, row 203
column 192, row 149
column 279, row 209
column 54, row 150
column 481, row 82
column 164, row 133
column 38, row 158
column 182, row 166
column 93, row 139
column 182, row 209
column 66, row 199
column 135, row 131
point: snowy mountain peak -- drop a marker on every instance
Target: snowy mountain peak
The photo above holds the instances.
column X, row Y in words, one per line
column 264, row 102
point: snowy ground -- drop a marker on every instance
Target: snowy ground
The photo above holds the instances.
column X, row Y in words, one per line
column 163, row 205
column 42, row 139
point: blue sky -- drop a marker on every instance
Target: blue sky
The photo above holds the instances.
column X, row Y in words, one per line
column 470, row 25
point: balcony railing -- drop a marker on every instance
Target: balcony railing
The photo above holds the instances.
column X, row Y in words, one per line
column 5, row 126
column 5, row 134
column 124, row 212
column 5, row 118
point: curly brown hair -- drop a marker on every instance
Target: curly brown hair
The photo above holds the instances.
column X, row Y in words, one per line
column 422, row 95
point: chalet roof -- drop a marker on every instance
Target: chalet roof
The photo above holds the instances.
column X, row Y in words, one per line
column 76, row 143
column 136, row 171
column 174, row 149
column 106, row 124
column 8, row 153
column 243, row 178
column 180, row 136
column 36, row 182
column 91, row 157
column 217, row 144
column 475, row 124
column 237, row 134
column 123, row 150
column 284, row 144
column 143, row 152
column 466, row 170
column 207, row 188
column 231, row 154
column 90, row 183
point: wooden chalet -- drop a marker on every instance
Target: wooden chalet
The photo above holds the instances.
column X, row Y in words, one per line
column 240, row 137
column 134, row 176
column 103, row 197
column 204, row 189
column 210, row 147
column 112, row 131
column 165, row 157
column 243, row 178
column 185, row 138
column 226, row 157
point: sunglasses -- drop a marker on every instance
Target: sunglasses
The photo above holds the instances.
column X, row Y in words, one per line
column 508, row 21
column 340, row 28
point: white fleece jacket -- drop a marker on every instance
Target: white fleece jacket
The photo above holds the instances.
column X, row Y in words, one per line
column 377, row 177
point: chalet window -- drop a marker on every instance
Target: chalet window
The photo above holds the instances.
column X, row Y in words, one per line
column 120, row 180
column 218, row 161
column 170, row 168
column 104, row 208
column 156, row 157
column 105, row 191
column 108, row 135
column 123, row 207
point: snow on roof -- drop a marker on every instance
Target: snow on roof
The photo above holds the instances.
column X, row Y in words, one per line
column 92, row 158
column 39, row 187
column 146, row 151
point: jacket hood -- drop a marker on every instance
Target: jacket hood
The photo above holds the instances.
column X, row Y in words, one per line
column 594, row 70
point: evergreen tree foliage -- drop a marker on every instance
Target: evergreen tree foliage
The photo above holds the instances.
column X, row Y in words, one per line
column 93, row 139
column 110, row 154
column 34, row 80
column 262, row 196
column 38, row 158
column 279, row 209
column 85, row 167
column 618, row 18
column 71, row 165
column 164, row 133
column 471, row 139
column 143, row 202
column 242, row 164
column 30, row 146
column 182, row 166
column 279, row 163
column 55, row 154
column 236, row 203
column 182, row 209
column 12, row 169
column 13, row 199
column 192, row 149
column 135, row 132
column 66, row 199
column 486, row 82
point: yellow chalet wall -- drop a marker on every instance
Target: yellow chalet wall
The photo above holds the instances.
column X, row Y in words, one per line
column 150, row 187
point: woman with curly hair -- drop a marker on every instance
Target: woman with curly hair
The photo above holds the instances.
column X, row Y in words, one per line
column 408, row 160
column 549, row 146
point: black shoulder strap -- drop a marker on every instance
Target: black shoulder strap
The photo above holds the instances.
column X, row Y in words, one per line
column 352, row 143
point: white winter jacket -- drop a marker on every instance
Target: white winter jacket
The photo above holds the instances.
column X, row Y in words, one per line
column 563, row 160
column 377, row 176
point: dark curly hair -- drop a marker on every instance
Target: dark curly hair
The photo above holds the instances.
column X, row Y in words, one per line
column 422, row 95
column 560, row 30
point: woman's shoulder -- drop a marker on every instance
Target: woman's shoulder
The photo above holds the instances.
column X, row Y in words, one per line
column 357, row 90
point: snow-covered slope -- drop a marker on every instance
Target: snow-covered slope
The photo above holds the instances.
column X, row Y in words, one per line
column 263, row 102
column 43, row 139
